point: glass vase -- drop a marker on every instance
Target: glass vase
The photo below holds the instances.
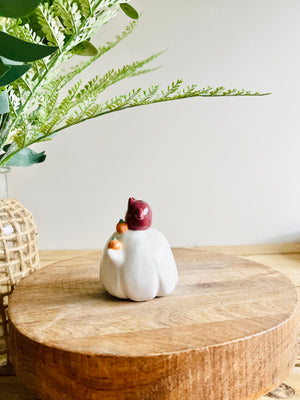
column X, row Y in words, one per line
column 3, row 182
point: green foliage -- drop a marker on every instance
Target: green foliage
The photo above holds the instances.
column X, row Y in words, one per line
column 47, row 99
column 152, row 95
column 18, row 50
column 17, row 8
column 129, row 10
column 51, row 25
column 85, row 48
column 4, row 105
column 14, row 49
column 25, row 158
column 11, row 70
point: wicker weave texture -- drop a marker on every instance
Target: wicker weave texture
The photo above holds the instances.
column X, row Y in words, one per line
column 18, row 257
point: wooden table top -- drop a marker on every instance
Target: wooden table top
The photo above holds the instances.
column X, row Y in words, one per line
column 284, row 258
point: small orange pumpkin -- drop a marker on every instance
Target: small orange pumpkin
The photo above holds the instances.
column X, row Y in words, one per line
column 121, row 226
column 114, row 244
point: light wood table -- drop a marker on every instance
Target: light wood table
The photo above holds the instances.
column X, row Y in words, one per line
column 284, row 258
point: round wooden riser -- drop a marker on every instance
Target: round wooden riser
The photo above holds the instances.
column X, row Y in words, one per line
column 227, row 332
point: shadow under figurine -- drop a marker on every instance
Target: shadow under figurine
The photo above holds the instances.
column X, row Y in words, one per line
column 137, row 262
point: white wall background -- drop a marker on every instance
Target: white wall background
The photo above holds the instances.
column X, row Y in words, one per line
column 215, row 171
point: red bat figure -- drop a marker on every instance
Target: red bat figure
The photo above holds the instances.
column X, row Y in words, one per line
column 139, row 215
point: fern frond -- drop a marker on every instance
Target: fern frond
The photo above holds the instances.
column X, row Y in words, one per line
column 46, row 109
column 5, row 124
column 69, row 15
column 101, row 50
column 145, row 71
column 92, row 89
column 50, row 25
column 102, row 12
column 85, row 97
column 50, row 90
column 147, row 94
column 14, row 101
column 20, row 136
column 61, row 110
column 7, row 24
column 97, row 85
column 25, row 84
column 36, row 111
column 24, row 135
column 85, row 7
column 121, row 101
column 46, row 21
column 152, row 96
column 85, row 111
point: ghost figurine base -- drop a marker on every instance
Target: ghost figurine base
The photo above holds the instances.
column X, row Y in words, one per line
column 137, row 262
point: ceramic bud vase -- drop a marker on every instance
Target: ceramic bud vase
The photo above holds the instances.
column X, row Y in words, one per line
column 18, row 256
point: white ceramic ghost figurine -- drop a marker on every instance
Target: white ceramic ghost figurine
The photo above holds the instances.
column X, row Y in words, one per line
column 137, row 262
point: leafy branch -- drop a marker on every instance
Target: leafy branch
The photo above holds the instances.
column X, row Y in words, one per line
column 141, row 97
column 37, row 108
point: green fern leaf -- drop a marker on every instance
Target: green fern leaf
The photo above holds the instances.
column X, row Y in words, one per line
column 50, row 25
column 151, row 96
column 61, row 110
column 97, row 85
column 69, row 15
column 85, row 7
column 24, row 135
column 100, row 52
column 85, row 111
column 14, row 101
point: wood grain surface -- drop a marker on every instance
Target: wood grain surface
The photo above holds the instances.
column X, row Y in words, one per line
column 228, row 331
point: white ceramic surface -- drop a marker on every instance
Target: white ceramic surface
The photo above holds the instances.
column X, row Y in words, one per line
column 142, row 269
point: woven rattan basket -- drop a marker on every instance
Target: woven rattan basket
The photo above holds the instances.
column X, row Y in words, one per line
column 18, row 257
